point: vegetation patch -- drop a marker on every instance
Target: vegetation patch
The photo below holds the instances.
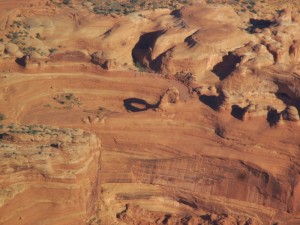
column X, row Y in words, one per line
column 107, row 7
column 68, row 100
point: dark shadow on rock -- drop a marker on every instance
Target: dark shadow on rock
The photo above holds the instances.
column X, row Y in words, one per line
column 176, row 13
column 287, row 95
column 6, row 136
column 260, row 24
column 284, row 98
column 166, row 219
column 227, row 66
column 54, row 145
column 138, row 105
column 206, row 217
column 238, row 112
column 157, row 63
column 22, row 61
column 211, row 101
column 142, row 49
column 190, row 41
column 273, row 117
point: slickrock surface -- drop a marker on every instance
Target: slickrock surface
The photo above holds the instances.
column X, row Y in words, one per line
column 174, row 112
column 48, row 175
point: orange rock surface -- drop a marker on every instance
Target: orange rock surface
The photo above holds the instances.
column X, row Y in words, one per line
column 181, row 115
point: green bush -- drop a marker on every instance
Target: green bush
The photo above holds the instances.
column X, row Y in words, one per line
column 139, row 66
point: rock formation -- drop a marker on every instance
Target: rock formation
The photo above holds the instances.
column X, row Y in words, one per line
column 170, row 97
column 196, row 106
column 48, row 170
column 292, row 113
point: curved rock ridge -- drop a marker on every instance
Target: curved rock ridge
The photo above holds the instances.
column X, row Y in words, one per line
column 48, row 175
column 196, row 44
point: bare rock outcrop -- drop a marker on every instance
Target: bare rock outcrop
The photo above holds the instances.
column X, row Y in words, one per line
column 263, row 75
column 291, row 113
column 135, row 215
column 36, row 158
column 210, row 41
column 11, row 48
column 101, row 59
column 170, row 97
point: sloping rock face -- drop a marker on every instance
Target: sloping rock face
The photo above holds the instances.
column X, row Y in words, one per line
column 268, row 72
column 197, row 185
column 197, row 38
column 215, row 33
column 48, row 175
column 185, row 40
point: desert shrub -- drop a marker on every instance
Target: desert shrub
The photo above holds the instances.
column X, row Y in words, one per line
column 17, row 23
column 31, row 130
column 28, row 50
column 53, row 50
column 13, row 35
column 67, row 99
column 107, row 7
column 38, row 35
column 185, row 77
column 139, row 66
column 66, row 2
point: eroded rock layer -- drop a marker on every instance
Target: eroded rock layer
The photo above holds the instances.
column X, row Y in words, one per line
column 48, row 175
column 197, row 109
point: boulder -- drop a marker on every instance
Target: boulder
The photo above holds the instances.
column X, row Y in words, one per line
column 292, row 113
column 100, row 58
column 170, row 97
column 11, row 48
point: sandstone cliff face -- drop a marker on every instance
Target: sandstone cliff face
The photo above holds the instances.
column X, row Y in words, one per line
column 48, row 175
